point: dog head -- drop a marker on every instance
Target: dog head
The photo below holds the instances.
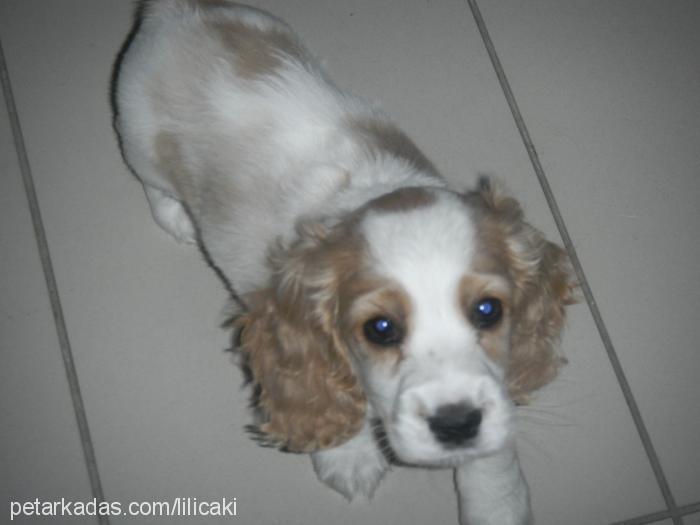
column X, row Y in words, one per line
column 430, row 310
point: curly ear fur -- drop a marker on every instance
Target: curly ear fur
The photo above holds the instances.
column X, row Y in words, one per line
column 308, row 396
column 538, row 319
column 543, row 285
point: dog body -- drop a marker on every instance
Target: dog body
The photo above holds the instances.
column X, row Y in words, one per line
column 222, row 110
column 376, row 298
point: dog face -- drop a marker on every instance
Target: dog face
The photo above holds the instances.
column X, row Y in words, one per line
column 427, row 309
column 432, row 337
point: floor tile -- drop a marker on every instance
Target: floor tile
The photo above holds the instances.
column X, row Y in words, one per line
column 693, row 519
column 41, row 454
column 609, row 96
column 164, row 402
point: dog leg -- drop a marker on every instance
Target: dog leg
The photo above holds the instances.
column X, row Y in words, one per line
column 354, row 468
column 493, row 491
column 171, row 215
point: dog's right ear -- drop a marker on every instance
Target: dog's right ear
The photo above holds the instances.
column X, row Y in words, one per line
column 307, row 394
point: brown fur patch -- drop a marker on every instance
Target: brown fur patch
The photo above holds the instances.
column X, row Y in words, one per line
column 258, row 52
column 308, row 395
column 211, row 197
column 168, row 155
column 383, row 137
column 170, row 162
column 403, row 200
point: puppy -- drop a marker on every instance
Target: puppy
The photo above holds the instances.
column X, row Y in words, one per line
column 383, row 311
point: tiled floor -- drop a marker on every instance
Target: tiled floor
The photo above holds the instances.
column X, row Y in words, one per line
column 609, row 92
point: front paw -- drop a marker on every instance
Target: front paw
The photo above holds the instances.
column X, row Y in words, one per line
column 493, row 491
column 351, row 470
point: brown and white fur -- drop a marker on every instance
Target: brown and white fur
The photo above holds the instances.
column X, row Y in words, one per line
column 363, row 276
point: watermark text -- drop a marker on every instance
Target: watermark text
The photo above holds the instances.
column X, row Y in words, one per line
column 224, row 507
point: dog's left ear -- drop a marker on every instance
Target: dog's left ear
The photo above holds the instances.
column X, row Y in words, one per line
column 308, row 395
column 544, row 285
column 538, row 317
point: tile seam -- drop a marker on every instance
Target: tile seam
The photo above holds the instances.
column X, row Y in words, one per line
column 684, row 510
column 576, row 263
column 52, row 288
column 646, row 519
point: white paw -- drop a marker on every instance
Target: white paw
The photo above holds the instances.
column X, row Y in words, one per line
column 171, row 215
column 181, row 228
column 351, row 470
column 493, row 491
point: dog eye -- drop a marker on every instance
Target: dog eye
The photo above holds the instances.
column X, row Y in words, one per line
column 486, row 313
column 382, row 331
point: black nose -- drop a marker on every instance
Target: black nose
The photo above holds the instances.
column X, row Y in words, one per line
column 455, row 424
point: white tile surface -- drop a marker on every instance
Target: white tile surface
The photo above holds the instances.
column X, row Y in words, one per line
column 164, row 402
column 40, row 453
column 610, row 97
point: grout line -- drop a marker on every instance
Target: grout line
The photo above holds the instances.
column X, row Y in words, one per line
column 685, row 510
column 52, row 287
column 646, row 519
column 576, row 264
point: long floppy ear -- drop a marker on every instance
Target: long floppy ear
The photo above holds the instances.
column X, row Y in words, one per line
column 538, row 318
column 307, row 394
column 543, row 286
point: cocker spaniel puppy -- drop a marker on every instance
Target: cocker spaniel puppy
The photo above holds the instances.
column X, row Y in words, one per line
column 377, row 300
